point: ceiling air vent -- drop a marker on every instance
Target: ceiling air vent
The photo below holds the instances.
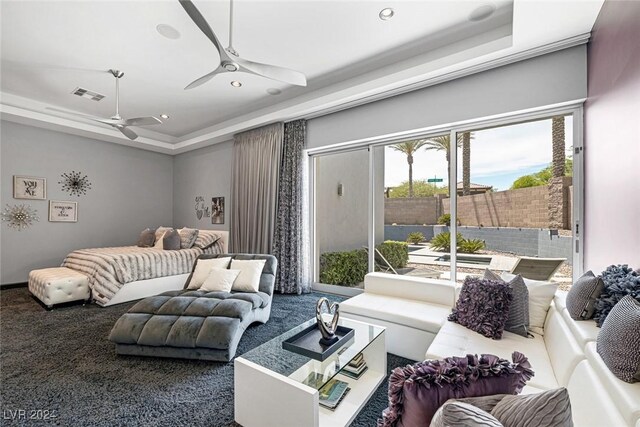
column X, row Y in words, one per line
column 86, row 93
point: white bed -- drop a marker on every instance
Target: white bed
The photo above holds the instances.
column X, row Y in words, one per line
column 128, row 273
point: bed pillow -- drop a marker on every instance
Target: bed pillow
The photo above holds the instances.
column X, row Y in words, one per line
column 417, row 391
column 159, row 235
column 483, row 306
column 518, row 320
column 147, row 238
column 250, row 272
column 206, row 239
column 618, row 342
column 202, row 269
column 581, row 299
column 459, row 414
column 219, row 280
column 171, row 240
column 540, row 296
column 549, row 408
column 188, row 237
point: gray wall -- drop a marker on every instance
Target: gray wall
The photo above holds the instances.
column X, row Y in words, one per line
column 544, row 80
column 343, row 220
column 131, row 189
column 203, row 172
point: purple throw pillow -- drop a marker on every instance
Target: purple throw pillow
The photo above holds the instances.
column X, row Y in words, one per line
column 483, row 306
column 417, row 391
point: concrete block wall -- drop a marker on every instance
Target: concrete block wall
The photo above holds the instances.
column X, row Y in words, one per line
column 412, row 211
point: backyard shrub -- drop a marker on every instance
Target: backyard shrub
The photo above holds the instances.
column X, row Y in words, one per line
column 445, row 219
column 470, row 246
column 348, row 268
column 442, row 242
column 397, row 253
column 415, row 237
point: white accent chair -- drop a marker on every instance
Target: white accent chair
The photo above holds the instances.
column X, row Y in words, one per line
column 415, row 313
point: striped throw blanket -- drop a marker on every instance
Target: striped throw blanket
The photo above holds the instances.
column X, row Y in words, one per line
column 109, row 269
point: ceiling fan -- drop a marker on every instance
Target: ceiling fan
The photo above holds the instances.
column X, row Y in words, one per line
column 117, row 121
column 230, row 60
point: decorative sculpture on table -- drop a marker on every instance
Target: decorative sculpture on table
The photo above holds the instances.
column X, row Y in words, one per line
column 327, row 329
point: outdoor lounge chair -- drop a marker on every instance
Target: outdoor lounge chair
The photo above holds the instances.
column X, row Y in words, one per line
column 381, row 262
column 537, row 268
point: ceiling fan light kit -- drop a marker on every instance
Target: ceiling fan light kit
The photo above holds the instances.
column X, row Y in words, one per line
column 230, row 60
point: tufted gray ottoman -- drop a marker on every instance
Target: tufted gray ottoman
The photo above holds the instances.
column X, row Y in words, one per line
column 194, row 324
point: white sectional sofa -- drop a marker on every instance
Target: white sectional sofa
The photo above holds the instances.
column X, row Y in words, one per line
column 415, row 311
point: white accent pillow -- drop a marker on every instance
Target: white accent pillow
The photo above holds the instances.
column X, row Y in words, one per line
column 250, row 272
column 203, row 268
column 540, row 297
column 160, row 231
column 219, row 279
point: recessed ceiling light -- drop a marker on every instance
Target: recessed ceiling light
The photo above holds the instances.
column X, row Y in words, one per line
column 274, row 91
column 386, row 14
column 164, row 116
column 236, row 83
column 168, row 31
column 482, row 12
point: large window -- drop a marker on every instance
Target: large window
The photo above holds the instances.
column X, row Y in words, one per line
column 506, row 195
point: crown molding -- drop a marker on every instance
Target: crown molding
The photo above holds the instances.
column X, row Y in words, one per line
column 436, row 67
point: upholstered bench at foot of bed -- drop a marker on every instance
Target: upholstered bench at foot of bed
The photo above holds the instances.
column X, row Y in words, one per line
column 189, row 324
column 58, row 285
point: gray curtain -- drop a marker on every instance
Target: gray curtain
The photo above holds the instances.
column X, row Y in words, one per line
column 254, row 188
column 291, row 244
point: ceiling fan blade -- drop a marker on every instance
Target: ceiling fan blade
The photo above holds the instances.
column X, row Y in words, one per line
column 127, row 132
column 143, row 121
column 202, row 23
column 273, row 72
column 202, row 80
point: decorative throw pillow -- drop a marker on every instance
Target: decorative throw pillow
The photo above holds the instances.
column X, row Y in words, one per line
column 518, row 320
column 250, row 272
column 459, row 414
column 202, row 269
column 219, row 280
column 581, row 299
column 550, row 408
column 171, row 240
column 206, row 239
column 540, row 297
column 619, row 281
column 159, row 235
column 147, row 238
column 483, row 306
column 188, row 237
column 417, row 391
column 618, row 342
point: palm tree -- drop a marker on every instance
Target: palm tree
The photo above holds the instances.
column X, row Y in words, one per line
column 466, row 163
column 409, row 148
column 443, row 143
column 557, row 141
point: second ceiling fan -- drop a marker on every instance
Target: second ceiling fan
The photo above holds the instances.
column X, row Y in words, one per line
column 230, row 61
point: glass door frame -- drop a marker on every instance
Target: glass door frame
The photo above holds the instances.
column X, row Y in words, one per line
column 574, row 109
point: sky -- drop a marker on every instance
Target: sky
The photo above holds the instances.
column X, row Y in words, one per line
column 498, row 156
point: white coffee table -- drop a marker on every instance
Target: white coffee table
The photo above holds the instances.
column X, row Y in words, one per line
column 269, row 389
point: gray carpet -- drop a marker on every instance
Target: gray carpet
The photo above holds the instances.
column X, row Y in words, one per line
column 61, row 361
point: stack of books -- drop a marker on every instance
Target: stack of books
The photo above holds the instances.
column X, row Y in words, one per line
column 332, row 393
column 356, row 367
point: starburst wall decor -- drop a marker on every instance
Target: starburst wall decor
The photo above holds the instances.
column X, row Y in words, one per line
column 75, row 183
column 19, row 216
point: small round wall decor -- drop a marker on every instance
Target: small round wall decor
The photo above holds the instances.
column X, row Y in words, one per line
column 19, row 216
column 75, row 183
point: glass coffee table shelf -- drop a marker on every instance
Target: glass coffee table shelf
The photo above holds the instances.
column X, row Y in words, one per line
column 270, row 381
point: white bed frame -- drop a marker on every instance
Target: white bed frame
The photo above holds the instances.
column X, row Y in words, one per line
column 145, row 288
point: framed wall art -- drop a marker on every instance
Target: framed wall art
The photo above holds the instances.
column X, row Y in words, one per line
column 29, row 187
column 217, row 210
column 60, row 211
